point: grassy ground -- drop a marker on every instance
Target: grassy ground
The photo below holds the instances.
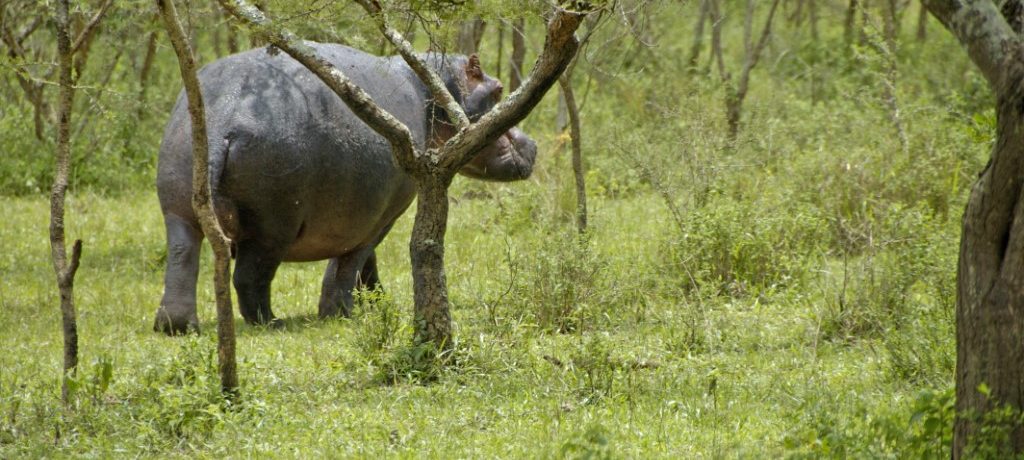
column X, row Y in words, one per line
column 643, row 373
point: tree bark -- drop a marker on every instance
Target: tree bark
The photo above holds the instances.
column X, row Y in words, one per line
column 515, row 64
column 64, row 268
column 432, row 321
column 577, row 152
column 201, row 199
column 990, row 272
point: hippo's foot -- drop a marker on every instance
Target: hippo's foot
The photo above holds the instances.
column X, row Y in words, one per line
column 330, row 309
column 261, row 318
column 176, row 320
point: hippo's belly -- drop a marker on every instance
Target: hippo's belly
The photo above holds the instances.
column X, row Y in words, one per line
column 330, row 232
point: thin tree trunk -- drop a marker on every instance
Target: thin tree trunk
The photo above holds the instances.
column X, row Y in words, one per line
column 501, row 50
column 850, row 23
column 577, row 152
column 147, row 67
column 470, row 34
column 922, row 24
column 735, row 96
column 888, row 50
column 812, row 12
column 201, row 199
column 65, row 269
column 698, row 34
column 515, row 67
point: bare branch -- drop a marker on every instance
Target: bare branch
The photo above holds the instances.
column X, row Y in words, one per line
column 360, row 102
column 430, row 78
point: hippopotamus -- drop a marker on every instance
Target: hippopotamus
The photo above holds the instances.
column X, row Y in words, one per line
column 296, row 177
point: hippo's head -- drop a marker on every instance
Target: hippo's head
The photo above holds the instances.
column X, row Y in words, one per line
column 508, row 158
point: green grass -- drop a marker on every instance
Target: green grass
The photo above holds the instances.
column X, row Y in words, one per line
column 651, row 373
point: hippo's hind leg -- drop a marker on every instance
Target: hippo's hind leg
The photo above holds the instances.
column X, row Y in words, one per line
column 177, row 312
column 340, row 279
column 255, row 266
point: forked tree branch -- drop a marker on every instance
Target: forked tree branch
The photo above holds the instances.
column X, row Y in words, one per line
column 429, row 77
column 560, row 47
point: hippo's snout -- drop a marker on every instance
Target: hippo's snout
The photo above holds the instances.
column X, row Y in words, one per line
column 509, row 158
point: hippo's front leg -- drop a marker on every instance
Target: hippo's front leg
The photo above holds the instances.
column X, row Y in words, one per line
column 340, row 279
column 177, row 312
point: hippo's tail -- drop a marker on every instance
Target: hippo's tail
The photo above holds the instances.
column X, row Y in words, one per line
column 224, row 208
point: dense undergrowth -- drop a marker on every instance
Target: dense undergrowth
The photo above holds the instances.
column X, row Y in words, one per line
column 787, row 293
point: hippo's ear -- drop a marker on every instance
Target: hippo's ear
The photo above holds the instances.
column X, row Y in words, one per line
column 473, row 70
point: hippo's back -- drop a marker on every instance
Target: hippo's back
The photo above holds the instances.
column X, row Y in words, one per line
column 291, row 162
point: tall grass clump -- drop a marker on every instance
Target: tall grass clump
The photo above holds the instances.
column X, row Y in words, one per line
column 565, row 285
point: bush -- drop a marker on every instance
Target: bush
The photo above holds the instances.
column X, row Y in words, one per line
column 745, row 247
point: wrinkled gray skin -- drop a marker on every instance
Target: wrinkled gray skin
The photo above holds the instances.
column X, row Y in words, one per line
column 296, row 176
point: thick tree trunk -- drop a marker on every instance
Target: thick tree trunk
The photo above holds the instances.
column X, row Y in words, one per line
column 990, row 273
column 426, row 247
column 515, row 65
column 577, row 152
column 990, row 288
column 65, row 269
column 201, row 199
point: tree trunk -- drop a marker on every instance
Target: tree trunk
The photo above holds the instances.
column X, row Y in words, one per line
column 515, row 65
column 990, row 272
column 65, row 269
column 201, row 200
column 426, row 247
column 990, row 288
column 850, row 23
column 500, row 55
column 577, row 152
column 698, row 34
column 812, row 13
column 922, row 24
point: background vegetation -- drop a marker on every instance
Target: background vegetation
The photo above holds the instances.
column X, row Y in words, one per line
column 786, row 293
